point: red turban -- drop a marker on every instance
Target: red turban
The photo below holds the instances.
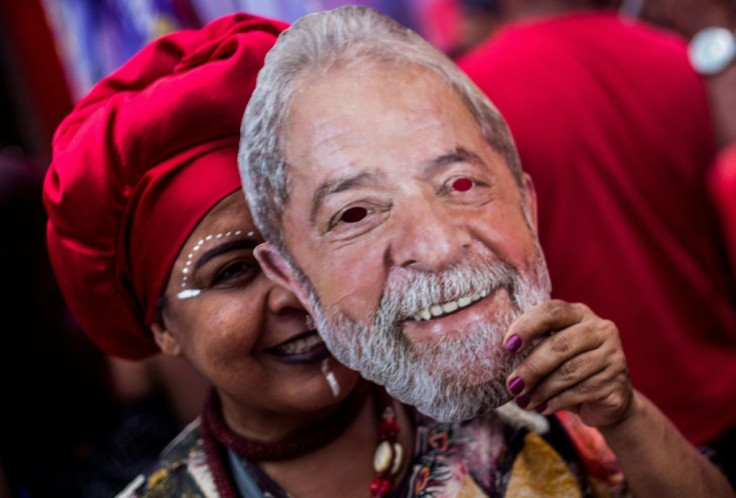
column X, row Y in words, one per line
column 138, row 163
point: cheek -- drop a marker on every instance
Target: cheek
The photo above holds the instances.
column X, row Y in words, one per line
column 507, row 233
column 351, row 280
column 231, row 329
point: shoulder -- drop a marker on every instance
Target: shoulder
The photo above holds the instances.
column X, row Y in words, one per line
column 181, row 470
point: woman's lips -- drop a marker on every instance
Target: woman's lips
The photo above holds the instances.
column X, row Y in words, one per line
column 307, row 347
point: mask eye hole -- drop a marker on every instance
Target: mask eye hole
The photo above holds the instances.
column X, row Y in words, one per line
column 462, row 184
column 354, row 214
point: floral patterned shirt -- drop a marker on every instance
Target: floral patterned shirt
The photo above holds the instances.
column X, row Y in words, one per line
column 483, row 457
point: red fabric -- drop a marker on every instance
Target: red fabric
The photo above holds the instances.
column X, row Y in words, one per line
column 136, row 165
column 613, row 126
column 599, row 459
column 723, row 188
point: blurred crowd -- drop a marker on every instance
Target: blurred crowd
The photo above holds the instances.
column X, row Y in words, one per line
column 76, row 422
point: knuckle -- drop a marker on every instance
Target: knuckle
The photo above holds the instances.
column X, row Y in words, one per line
column 608, row 327
column 556, row 309
column 560, row 344
column 620, row 359
column 616, row 398
column 606, row 333
column 622, row 377
column 585, row 388
column 571, row 369
column 581, row 309
column 556, row 303
column 529, row 369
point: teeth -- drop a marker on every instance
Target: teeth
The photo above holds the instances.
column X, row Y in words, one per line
column 302, row 345
column 442, row 309
column 450, row 307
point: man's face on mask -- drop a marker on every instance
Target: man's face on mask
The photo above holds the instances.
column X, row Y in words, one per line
column 414, row 241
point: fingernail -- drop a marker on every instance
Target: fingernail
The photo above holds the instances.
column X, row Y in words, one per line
column 541, row 408
column 513, row 343
column 522, row 401
column 516, row 385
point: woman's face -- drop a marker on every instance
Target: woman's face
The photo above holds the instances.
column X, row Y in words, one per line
column 247, row 335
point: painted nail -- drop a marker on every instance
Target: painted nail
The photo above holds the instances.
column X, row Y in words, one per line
column 541, row 408
column 513, row 343
column 522, row 401
column 516, row 385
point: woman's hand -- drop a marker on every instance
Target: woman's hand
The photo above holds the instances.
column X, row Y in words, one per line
column 577, row 364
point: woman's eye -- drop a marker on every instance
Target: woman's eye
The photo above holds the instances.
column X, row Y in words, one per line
column 462, row 184
column 353, row 214
column 235, row 272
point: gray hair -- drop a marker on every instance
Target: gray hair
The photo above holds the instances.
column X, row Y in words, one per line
column 314, row 45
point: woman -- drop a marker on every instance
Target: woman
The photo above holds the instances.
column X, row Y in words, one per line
column 152, row 244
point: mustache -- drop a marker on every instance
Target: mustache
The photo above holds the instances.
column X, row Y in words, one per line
column 408, row 291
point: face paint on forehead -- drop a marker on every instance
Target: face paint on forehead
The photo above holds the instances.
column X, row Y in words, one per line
column 206, row 240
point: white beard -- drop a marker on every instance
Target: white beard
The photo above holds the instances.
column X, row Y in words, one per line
column 457, row 378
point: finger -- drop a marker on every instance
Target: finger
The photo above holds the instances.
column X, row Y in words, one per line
column 572, row 373
column 548, row 316
column 562, row 348
column 599, row 400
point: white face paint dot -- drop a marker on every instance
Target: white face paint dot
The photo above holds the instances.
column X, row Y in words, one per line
column 238, row 232
column 250, row 234
column 219, row 236
column 186, row 294
column 228, row 234
column 186, row 270
column 209, row 237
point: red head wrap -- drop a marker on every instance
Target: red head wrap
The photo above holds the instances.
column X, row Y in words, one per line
column 138, row 163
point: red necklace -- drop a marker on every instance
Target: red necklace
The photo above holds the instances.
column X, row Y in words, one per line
column 389, row 453
column 386, row 461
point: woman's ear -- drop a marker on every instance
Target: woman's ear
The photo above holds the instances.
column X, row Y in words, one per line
column 166, row 341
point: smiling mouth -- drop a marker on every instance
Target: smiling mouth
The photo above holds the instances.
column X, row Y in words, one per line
column 443, row 309
column 304, row 348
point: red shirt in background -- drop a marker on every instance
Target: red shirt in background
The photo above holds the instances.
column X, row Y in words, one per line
column 723, row 188
column 613, row 126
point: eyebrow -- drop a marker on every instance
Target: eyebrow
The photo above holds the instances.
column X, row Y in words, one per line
column 339, row 185
column 458, row 155
column 232, row 245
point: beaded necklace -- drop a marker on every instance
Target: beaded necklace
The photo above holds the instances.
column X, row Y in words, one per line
column 387, row 459
column 389, row 453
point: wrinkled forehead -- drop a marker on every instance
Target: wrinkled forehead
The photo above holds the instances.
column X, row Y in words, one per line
column 350, row 80
column 347, row 107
